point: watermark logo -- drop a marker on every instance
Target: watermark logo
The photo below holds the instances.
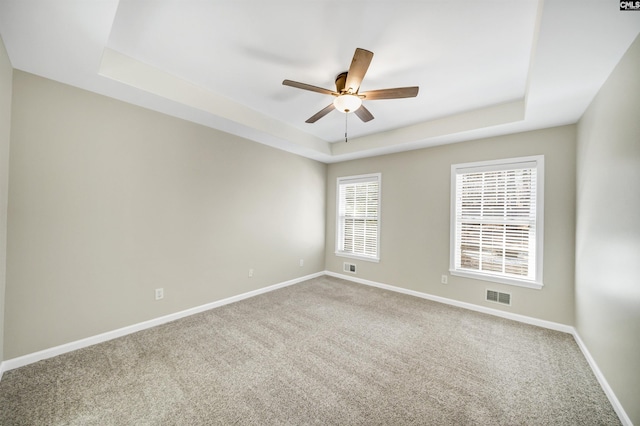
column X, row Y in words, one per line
column 629, row 5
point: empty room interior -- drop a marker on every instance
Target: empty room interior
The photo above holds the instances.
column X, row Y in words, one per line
column 388, row 212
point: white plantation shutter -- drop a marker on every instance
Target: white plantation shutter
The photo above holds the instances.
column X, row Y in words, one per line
column 358, row 216
column 497, row 220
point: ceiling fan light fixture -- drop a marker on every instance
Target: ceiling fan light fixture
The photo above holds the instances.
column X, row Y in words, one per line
column 347, row 103
column 347, row 97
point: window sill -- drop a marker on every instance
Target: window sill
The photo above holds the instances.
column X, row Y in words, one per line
column 355, row 256
column 496, row 279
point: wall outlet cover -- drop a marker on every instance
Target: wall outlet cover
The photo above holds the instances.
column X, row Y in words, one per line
column 159, row 293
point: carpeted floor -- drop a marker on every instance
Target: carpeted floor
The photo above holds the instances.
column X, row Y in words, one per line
column 326, row 351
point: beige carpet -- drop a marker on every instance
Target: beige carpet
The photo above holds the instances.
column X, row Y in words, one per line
column 325, row 352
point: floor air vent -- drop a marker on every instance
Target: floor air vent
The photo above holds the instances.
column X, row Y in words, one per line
column 349, row 267
column 498, row 297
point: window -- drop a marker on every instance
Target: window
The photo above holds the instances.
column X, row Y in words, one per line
column 358, row 217
column 497, row 220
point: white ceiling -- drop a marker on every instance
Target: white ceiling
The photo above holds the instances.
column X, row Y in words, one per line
column 484, row 68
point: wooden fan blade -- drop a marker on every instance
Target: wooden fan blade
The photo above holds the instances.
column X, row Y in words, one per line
column 398, row 92
column 363, row 114
column 357, row 70
column 318, row 115
column 309, row 87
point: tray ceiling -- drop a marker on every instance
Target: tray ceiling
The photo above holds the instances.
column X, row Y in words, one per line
column 484, row 68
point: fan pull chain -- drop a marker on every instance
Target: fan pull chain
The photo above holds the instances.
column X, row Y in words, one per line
column 345, row 128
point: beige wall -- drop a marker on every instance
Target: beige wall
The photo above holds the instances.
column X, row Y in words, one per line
column 109, row 201
column 414, row 241
column 6, row 73
column 608, row 231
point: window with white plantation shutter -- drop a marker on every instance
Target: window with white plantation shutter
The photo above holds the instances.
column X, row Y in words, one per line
column 497, row 220
column 358, row 217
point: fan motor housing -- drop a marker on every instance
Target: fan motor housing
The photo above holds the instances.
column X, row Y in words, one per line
column 341, row 80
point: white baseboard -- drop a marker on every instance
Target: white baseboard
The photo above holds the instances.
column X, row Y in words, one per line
column 58, row 350
column 624, row 418
column 89, row 341
column 508, row 315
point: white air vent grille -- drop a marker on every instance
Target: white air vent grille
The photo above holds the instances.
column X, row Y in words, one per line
column 349, row 267
column 499, row 297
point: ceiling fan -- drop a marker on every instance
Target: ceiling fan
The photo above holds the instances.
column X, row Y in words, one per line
column 347, row 98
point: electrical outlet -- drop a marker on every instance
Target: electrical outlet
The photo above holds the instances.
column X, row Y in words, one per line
column 159, row 293
column 250, row 272
column 301, row 262
column 444, row 279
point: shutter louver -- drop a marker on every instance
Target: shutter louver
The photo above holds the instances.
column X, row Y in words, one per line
column 496, row 221
column 358, row 205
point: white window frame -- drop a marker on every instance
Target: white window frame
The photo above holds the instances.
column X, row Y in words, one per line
column 536, row 162
column 350, row 180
